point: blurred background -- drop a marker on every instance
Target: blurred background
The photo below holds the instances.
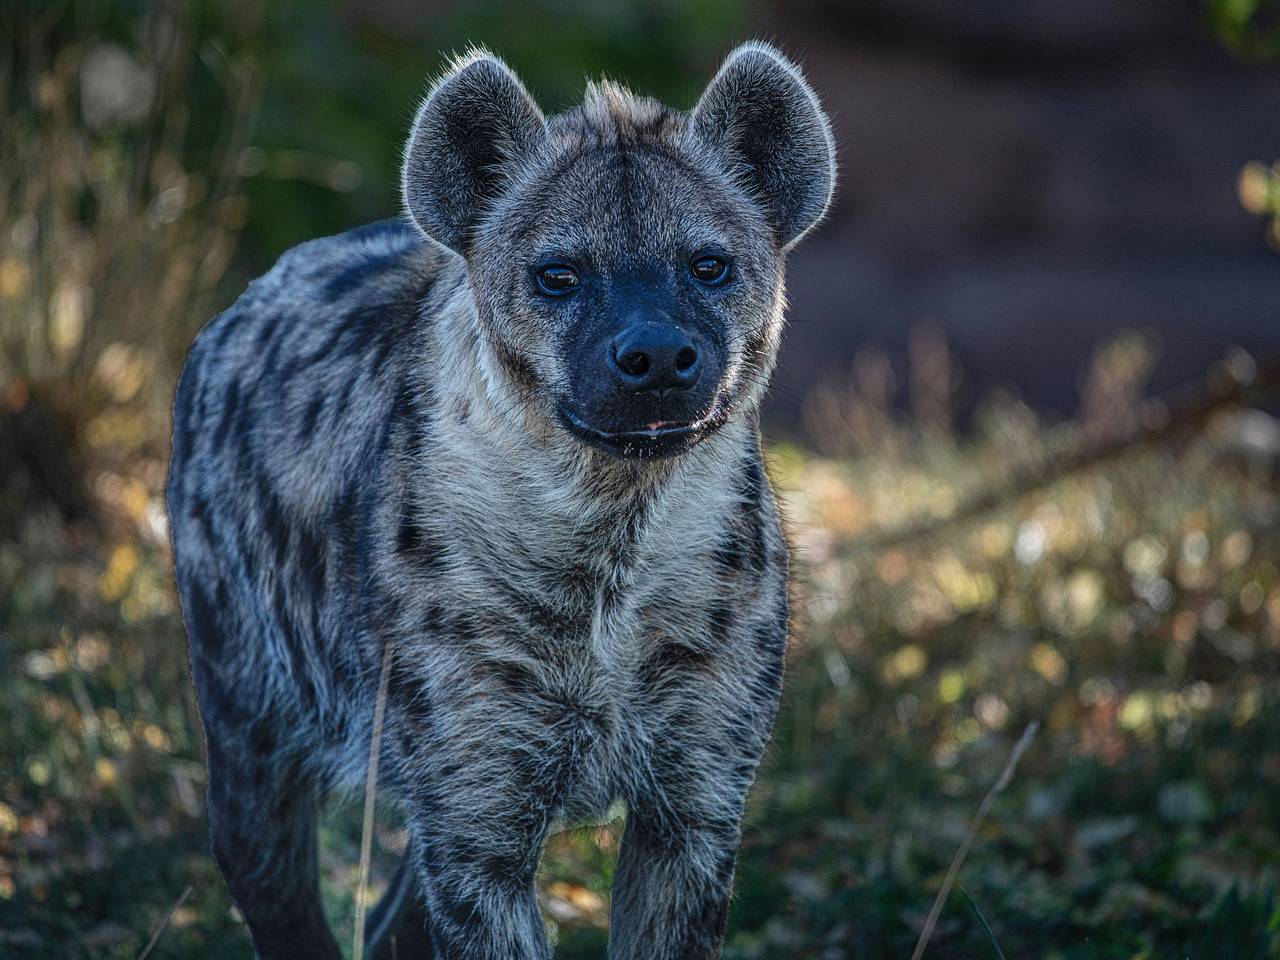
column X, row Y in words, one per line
column 1024, row 428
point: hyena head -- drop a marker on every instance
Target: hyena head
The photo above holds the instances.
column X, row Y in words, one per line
column 626, row 258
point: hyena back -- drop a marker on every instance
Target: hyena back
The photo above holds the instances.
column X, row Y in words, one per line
column 508, row 442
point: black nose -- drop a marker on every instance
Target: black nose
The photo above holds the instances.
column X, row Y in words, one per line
column 654, row 356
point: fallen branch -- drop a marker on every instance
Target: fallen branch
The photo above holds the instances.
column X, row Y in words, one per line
column 1232, row 382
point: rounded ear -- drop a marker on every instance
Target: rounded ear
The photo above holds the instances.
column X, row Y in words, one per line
column 765, row 121
column 477, row 123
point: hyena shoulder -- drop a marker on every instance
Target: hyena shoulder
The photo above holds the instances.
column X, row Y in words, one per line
column 293, row 384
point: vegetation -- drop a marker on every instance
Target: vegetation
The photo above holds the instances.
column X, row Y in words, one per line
column 1131, row 606
column 1133, row 609
column 1249, row 28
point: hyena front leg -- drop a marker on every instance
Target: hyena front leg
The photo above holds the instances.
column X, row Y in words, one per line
column 481, row 906
column 675, row 870
column 672, row 886
column 489, row 771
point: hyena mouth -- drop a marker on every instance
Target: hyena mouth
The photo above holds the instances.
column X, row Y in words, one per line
column 662, row 438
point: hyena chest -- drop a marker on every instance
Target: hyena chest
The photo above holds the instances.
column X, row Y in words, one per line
column 628, row 677
column 563, row 680
column 585, row 665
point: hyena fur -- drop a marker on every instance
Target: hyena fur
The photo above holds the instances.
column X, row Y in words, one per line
column 510, row 443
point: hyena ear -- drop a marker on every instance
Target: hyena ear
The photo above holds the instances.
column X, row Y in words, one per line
column 765, row 121
column 475, row 127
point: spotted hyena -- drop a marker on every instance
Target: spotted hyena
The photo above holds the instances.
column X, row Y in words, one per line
column 506, row 447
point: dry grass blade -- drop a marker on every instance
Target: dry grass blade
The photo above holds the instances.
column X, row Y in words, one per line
column 974, row 826
column 370, row 797
column 155, row 937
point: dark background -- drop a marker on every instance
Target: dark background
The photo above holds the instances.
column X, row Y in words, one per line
column 1030, row 176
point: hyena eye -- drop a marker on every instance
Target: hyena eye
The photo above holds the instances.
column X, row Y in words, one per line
column 556, row 279
column 710, row 270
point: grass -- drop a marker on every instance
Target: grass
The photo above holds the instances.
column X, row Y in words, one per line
column 986, row 927
column 957, row 860
column 1133, row 610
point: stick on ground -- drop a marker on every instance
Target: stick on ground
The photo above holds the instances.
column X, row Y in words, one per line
column 155, row 937
column 370, row 798
column 974, row 826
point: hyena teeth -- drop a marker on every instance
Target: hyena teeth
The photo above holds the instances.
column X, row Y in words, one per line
column 529, row 474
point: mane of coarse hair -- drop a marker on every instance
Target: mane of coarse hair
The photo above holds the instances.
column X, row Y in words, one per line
column 612, row 113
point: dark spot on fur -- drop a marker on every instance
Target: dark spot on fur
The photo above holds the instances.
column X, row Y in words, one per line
column 461, row 913
column 230, row 414
column 720, row 622
column 343, row 673
column 409, row 536
column 528, row 607
column 415, row 544
column 360, row 272
column 673, row 662
column 222, row 329
column 363, row 326
column 272, row 517
column 750, row 532
column 204, row 617
column 434, row 620
column 730, row 551
column 307, row 425
column 268, row 327
column 262, row 738
column 200, row 514
column 513, row 677
column 509, row 873
column 405, row 404
column 271, row 361
column 346, row 528
column 409, row 694
column 310, row 556
column 518, row 366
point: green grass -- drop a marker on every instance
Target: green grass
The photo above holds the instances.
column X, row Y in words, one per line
column 1134, row 610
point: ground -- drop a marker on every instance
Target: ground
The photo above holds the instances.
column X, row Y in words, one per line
column 1133, row 609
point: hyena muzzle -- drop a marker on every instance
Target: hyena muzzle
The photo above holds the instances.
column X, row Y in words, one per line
column 508, row 446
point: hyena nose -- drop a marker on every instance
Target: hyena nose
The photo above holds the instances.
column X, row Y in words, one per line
column 654, row 356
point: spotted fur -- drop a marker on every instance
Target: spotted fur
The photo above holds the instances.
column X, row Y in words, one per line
column 371, row 459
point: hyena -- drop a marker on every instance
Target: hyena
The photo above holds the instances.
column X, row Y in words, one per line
column 506, row 447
